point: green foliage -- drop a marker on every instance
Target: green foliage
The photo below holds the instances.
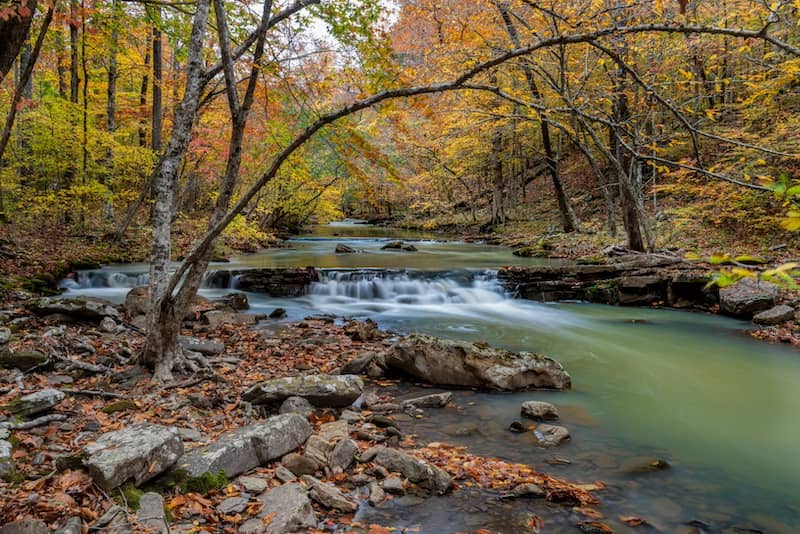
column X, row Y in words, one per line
column 119, row 406
column 129, row 495
column 205, row 483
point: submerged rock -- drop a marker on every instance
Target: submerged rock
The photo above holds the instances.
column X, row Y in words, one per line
column 321, row 390
column 458, row 363
column 341, row 248
column 248, row 447
column 551, row 435
column 289, row 508
column 539, row 410
column 435, row 400
column 139, row 452
column 776, row 315
column 747, row 297
column 399, row 245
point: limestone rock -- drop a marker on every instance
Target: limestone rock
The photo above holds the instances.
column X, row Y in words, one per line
column 458, row 363
column 435, row 400
column 342, row 455
column 6, row 458
column 136, row 301
column 393, row 485
column 418, row 471
column 297, row 405
column 74, row 525
column 284, row 475
column 248, row 447
column 289, row 507
column 76, row 309
column 203, row 346
column 252, row 484
column 22, row 360
column 776, row 315
column 334, row 431
column 5, row 335
column 139, row 452
column 299, row 464
column 214, row 319
column 376, row 494
column 25, row 526
column 551, row 435
column 234, row 505
column 35, row 403
column 108, row 325
column 341, row 248
column 539, row 410
column 151, row 513
column 747, row 297
column 329, row 496
column 320, row 390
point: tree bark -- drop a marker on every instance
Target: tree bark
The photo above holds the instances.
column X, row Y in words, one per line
column 74, row 80
column 113, row 71
column 143, row 99
column 157, row 84
column 15, row 31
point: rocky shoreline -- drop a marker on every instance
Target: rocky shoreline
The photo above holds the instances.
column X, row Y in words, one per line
column 292, row 432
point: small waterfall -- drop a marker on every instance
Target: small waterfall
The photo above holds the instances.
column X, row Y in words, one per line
column 401, row 287
column 104, row 279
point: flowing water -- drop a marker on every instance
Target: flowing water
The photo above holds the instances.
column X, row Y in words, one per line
column 688, row 388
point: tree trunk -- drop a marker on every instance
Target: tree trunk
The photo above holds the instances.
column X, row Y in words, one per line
column 14, row 30
column 157, row 81
column 74, row 81
column 143, row 100
column 113, row 73
column 163, row 323
column 498, row 183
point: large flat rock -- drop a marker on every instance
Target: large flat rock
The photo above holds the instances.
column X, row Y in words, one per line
column 78, row 308
column 248, row 447
column 35, row 403
column 458, row 363
column 747, row 297
column 139, row 452
column 321, row 390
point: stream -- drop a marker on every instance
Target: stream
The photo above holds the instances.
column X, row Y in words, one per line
column 689, row 388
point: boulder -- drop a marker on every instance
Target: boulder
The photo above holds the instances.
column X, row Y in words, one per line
column 248, row 447
column 435, row 400
column 237, row 301
column 136, row 301
column 25, row 526
column 35, row 403
column 539, row 410
column 76, row 309
column 278, row 283
column 139, row 452
column 320, row 390
column 6, row 458
column 289, row 508
column 22, row 360
column 334, row 431
column 277, row 313
column 458, row 363
column 342, row 455
column 362, row 330
column 151, row 513
column 299, row 464
column 328, row 495
column 318, row 449
column 297, row 405
column 341, row 248
column 399, row 245
column 357, row 365
column 776, row 315
column 214, row 319
column 418, row 471
column 108, row 325
column 747, row 297
column 551, row 435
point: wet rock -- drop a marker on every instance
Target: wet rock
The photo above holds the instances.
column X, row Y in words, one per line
column 252, row 484
column 329, row 496
column 214, row 319
column 277, row 313
column 320, row 390
column 139, row 452
column 382, row 421
column 376, row 494
column 22, row 360
column 297, row 405
column 6, row 458
column 357, row 365
column 75, row 309
column 393, row 485
column 526, row 490
column 74, row 525
column 289, row 508
column 25, row 526
column 279, row 283
column 151, row 513
column 539, row 410
column 233, row 505
column 203, row 346
column 299, row 464
column 343, row 455
column 248, row 447
column 341, row 248
column 458, row 363
column 747, row 297
column 35, row 403
column 461, row 429
column 108, row 325
column 435, row 400
column 776, row 315
column 284, row 475
column 399, row 245
column 237, row 301
column 418, row 471
column 551, row 435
